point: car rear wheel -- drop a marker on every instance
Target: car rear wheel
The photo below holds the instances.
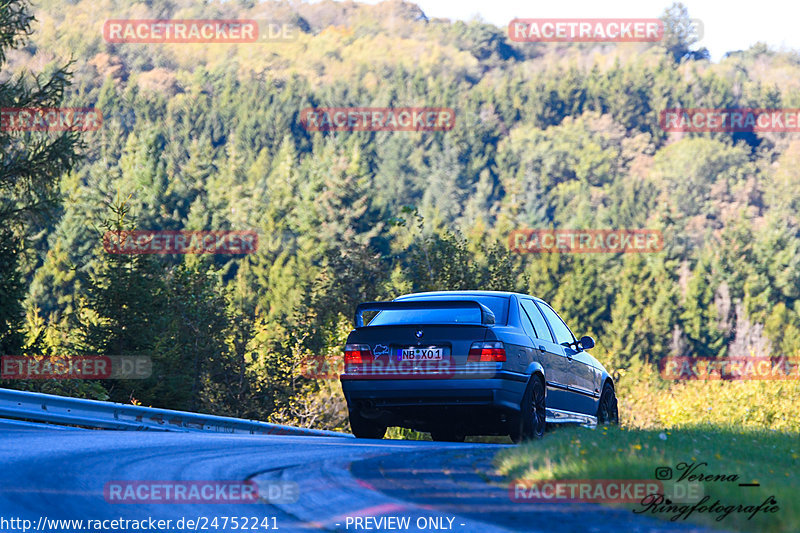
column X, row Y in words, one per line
column 365, row 429
column 607, row 411
column 531, row 422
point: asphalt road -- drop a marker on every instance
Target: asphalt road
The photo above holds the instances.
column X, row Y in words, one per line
column 304, row 484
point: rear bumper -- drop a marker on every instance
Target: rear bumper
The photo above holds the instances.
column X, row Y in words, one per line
column 502, row 392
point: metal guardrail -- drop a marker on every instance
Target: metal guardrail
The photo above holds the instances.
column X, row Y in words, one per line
column 6, row 423
column 37, row 407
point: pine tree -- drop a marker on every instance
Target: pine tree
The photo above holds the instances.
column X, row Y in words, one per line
column 30, row 167
column 699, row 318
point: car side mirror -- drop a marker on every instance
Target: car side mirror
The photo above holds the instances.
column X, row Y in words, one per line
column 586, row 342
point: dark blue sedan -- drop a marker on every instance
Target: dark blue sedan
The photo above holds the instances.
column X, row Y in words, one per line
column 458, row 363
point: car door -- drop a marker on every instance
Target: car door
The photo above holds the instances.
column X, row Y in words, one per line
column 586, row 381
column 552, row 356
column 580, row 373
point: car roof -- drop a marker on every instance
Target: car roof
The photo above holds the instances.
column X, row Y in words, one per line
column 445, row 294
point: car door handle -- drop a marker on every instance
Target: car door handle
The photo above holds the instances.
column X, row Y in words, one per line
column 542, row 348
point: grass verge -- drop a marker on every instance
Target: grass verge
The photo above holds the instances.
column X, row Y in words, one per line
column 769, row 458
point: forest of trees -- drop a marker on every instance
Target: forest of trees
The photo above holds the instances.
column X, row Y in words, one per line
column 207, row 137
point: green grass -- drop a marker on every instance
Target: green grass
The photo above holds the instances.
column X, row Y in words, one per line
column 399, row 433
column 770, row 458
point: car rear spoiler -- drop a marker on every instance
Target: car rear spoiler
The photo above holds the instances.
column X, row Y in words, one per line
column 487, row 316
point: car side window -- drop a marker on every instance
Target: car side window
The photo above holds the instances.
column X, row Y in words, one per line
column 539, row 325
column 526, row 322
column 560, row 329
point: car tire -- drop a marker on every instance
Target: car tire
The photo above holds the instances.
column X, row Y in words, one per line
column 365, row 429
column 607, row 410
column 447, row 435
column 531, row 422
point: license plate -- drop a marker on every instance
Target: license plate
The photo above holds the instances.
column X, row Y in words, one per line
column 422, row 354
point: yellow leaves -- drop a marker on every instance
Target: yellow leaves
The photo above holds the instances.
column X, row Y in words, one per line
column 646, row 404
column 337, row 31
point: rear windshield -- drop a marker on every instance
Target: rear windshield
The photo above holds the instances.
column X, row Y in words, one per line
column 468, row 315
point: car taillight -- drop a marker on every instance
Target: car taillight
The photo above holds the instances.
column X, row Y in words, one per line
column 356, row 353
column 487, row 351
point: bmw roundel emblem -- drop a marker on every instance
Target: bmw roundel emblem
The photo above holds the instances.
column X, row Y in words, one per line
column 419, row 333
